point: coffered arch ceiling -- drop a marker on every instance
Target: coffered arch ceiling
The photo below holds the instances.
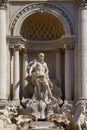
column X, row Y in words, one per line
column 42, row 26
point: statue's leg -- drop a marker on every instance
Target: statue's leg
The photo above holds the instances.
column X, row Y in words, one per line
column 50, row 93
column 85, row 123
column 46, row 84
column 38, row 87
column 50, row 84
column 79, row 125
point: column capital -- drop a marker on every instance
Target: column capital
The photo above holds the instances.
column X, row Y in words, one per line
column 69, row 47
column 82, row 3
column 14, row 40
column 23, row 49
column 16, row 47
column 3, row 4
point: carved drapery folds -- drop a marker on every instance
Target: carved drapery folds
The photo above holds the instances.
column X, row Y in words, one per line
column 3, row 4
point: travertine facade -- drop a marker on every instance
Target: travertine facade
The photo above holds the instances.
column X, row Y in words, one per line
column 57, row 28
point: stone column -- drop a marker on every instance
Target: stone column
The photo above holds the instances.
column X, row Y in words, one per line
column 25, row 65
column 58, row 68
column 76, row 71
column 11, row 70
column 12, row 64
column 72, row 72
column 82, row 49
column 69, row 72
column 3, row 74
column 16, row 74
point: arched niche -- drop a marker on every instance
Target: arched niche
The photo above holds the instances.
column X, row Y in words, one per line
column 42, row 26
column 30, row 9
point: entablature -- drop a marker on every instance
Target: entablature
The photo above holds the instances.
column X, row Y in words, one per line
column 43, row 0
column 62, row 43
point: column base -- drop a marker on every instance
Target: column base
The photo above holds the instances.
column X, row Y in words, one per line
column 82, row 98
column 3, row 102
column 15, row 102
column 69, row 102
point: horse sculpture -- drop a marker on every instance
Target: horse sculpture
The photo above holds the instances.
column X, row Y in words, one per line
column 80, row 115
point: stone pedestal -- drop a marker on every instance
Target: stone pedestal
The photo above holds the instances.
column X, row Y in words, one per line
column 42, row 125
column 82, row 51
column 3, row 91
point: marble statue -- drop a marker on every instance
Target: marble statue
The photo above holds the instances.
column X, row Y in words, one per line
column 76, row 114
column 6, row 115
column 40, row 78
column 80, row 114
column 43, row 102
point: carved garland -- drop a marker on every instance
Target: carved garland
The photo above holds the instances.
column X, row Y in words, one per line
column 41, row 5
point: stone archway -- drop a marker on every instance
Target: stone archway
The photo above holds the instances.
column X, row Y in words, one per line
column 26, row 11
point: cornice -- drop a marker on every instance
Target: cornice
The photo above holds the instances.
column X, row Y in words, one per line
column 3, row 4
column 14, row 40
column 65, row 42
column 42, row 0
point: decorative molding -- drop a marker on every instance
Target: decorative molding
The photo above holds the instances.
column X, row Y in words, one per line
column 42, row 0
column 3, row 4
column 42, row 7
column 17, row 47
column 13, row 40
column 40, row 47
column 65, row 42
column 82, row 3
column 15, row 43
column 69, row 46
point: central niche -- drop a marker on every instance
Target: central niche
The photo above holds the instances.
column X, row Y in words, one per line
column 42, row 26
